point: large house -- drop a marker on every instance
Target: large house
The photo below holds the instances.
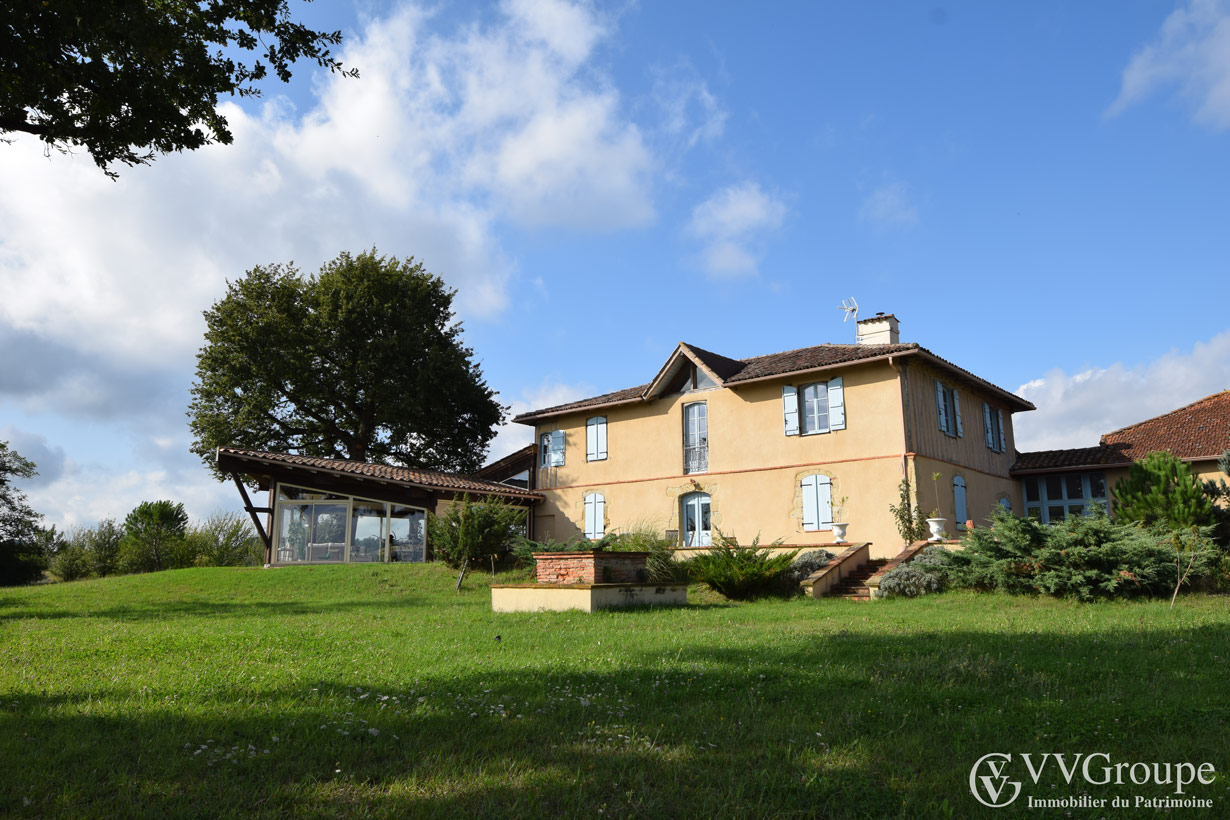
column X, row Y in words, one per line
column 1059, row 483
column 781, row 446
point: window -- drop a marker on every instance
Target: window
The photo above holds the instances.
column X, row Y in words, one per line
column 694, row 516
column 313, row 526
column 948, row 409
column 821, row 404
column 551, row 448
column 595, row 439
column 817, row 492
column 1052, row 498
column 958, row 501
column 993, row 428
column 695, row 438
column 595, row 516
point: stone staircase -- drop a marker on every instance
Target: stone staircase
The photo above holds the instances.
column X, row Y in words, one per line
column 854, row 587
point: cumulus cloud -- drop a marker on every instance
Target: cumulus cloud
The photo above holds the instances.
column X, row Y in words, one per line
column 889, row 206
column 448, row 136
column 48, row 458
column 1191, row 53
column 1074, row 410
column 732, row 224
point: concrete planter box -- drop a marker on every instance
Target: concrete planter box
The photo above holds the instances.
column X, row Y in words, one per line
column 585, row 597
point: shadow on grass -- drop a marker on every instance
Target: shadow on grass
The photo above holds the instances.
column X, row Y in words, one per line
column 837, row 725
column 188, row 609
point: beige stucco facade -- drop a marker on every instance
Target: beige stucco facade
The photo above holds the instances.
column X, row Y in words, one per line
column 755, row 470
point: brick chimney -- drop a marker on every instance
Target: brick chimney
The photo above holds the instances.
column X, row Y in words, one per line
column 880, row 329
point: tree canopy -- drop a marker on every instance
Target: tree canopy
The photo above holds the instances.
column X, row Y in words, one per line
column 361, row 361
column 21, row 555
column 126, row 79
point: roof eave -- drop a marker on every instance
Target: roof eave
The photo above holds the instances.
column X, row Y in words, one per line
column 531, row 418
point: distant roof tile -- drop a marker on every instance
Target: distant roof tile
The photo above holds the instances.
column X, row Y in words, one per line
column 428, row 479
column 1198, row 430
column 1100, row 456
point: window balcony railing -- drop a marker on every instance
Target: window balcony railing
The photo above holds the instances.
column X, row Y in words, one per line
column 696, row 458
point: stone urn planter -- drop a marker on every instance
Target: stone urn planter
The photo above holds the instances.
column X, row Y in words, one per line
column 839, row 532
column 937, row 528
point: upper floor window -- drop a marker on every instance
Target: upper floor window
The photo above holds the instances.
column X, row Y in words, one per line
column 595, row 439
column 689, row 378
column 948, row 409
column 993, row 427
column 551, row 449
column 1052, row 498
column 695, row 437
column 817, row 492
column 821, row 404
column 595, row 516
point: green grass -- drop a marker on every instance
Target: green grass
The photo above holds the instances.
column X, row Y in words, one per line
column 378, row 692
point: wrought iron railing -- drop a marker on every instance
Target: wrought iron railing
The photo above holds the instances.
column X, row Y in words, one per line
column 696, row 458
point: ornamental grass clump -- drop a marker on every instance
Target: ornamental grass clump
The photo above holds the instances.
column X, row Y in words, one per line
column 927, row 574
column 741, row 573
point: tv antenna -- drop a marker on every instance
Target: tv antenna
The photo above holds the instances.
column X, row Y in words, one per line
column 850, row 306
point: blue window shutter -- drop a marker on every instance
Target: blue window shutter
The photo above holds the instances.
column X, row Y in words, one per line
column 940, row 411
column 1003, row 444
column 988, row 430
column 956, row 408
column 958, row 501
column 811, row 512
column 790, row 410
column 595, row 515
column 557, row 448
column 601, row 437
column 824, row 498
column 837, row 404
column 591, row 440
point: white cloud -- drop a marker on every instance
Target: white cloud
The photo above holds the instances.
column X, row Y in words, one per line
column 731, row 224
column 1075, row 410
column 689, row 113
column 446, row 137
column 1190, row 52
column 889, row 206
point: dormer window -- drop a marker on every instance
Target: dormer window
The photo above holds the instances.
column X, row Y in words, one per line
column 689, row 378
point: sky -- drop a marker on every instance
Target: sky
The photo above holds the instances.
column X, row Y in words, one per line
column 1037, row 190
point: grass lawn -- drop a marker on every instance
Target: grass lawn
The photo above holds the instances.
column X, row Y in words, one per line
column 377, row 691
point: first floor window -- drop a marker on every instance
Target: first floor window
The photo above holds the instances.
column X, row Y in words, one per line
column 595, row 439
column 822, row 406
column 1052, row 498
column 695, row 518
column 551, row 449
column 817, row 491
column 993, row 428
column 595, row 516
column 958, row 501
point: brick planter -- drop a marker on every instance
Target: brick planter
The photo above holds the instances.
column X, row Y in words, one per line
column 592, row 567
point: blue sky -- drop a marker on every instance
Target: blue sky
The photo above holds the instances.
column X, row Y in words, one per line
column 1037, row 190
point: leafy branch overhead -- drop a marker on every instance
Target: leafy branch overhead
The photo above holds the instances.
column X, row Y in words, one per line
column 361, row 361
column 128, row 79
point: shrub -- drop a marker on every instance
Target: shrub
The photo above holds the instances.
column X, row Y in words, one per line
column 225, row 540
column 1085, row 557
column 908, row 516
column 72, row 563
column 471, row 530
column 154, row 538
column 740, row 573
column 911, row 580
column 804, row 565
column 1160, row 489
column 102, row 543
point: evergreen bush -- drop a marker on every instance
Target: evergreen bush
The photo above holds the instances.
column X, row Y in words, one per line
column 741, row 573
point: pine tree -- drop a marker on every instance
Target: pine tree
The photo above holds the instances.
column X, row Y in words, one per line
column 1160, row 489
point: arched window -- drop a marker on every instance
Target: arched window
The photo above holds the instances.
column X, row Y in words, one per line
column 694, row 517
column 595, row 516
column 958, row 501
column 817, row 491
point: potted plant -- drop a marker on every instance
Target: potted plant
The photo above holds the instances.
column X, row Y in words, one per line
column 839, row 526
column 935, row 522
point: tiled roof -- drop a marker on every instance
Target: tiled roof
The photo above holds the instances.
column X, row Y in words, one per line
column 1199, row 430
column 804, row 359
column 1101, row 455
column 427, row 479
